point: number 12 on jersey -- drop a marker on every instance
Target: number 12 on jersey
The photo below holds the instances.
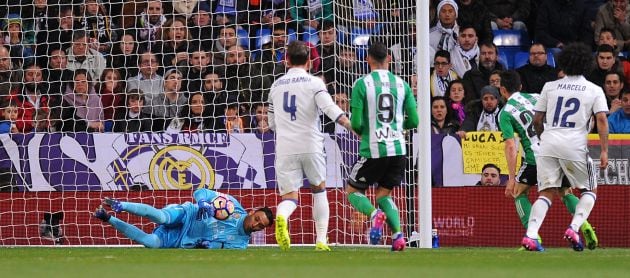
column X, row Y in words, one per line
column 572, row 105
column 288, row 104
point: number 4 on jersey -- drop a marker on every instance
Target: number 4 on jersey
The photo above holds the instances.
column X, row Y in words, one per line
column 288, row 104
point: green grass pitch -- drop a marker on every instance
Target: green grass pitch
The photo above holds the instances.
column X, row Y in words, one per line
column 342, row 262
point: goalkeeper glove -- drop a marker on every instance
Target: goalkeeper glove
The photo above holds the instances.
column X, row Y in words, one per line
column 205, row 210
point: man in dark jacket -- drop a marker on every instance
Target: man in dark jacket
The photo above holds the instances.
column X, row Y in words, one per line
column 475, row 14
column 483, row 114
column 536, row 72
column 475, row 79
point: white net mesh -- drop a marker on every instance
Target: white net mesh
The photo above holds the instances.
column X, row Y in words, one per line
column 146, row 100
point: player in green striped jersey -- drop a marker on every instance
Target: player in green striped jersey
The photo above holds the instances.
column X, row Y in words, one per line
column 516, row 117
column 382, row 107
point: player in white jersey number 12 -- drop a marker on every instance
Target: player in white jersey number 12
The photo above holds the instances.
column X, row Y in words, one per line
column 567, row 105
column 294, row 104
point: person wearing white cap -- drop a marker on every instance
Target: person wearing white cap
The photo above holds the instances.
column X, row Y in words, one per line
column 443, row 36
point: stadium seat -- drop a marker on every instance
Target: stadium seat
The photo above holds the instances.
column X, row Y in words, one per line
column 360, row 37
column 504, row 60
column 263, row 36
column 291, row 35
column 511, row 38
column 243, row 37
column 310, row 35
column 551, row 60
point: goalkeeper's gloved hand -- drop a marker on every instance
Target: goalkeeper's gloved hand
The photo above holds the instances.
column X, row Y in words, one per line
column 205, row 210
column 202, row 244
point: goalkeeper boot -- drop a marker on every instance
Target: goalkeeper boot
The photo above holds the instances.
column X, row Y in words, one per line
column 590, row 238
column 320, row 246
column 114, row 204
column 102, row 214
column 282, row 233
column 532, row 244
column 572, row 237
column 376, row 232
column 398, row 242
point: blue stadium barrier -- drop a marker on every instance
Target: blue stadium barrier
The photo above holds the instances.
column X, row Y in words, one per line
column 243, row 37
column 263, row 36
column 310, row 35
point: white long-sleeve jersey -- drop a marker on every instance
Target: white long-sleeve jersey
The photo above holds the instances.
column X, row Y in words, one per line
column 294, row 104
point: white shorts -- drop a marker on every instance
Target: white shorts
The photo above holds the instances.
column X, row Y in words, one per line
column 551, row 170
column 291, row 169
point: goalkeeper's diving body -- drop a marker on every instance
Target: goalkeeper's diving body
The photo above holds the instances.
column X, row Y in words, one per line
column 189, row 225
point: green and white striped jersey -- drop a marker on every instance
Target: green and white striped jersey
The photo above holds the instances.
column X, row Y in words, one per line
column 383, row 100
column 517, row 116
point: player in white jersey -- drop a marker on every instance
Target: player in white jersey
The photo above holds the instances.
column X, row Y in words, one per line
column 567, row 105
column 295, row 102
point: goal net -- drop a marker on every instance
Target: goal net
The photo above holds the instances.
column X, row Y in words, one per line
column 146, row 101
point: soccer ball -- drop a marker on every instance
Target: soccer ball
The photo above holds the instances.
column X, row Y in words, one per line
column 223, row 207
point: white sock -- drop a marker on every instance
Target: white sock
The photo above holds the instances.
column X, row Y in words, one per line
column 286, row 208
column 321, row 214
column 537, row 216
column 583, row 209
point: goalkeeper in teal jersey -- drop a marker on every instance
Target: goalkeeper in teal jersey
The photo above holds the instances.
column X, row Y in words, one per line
column 382, row 107
column 517, row 117
column 189, row 225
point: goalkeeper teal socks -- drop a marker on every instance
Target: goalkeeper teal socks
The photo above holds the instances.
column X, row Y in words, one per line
column 391, row 211
column 134, row 233
column 156, row 215
column 523, row 208
column 361, row 203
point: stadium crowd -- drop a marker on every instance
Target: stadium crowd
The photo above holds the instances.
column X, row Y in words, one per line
column 198, row 65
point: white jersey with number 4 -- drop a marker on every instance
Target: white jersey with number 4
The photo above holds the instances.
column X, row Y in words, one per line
column 569, row 104
column 294, row 103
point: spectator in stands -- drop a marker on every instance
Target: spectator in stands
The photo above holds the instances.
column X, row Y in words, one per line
column 231, row 12
column 30, row 96
column 173, row 47
column 81, row 56
column 465, row 54
column 619, row 121
column 132, row 118
column 226, row 39
column 148, row 81
column 111, row 90
column 245, row 78
column 456, row 98
column 614, row 16
column 149, row 22
column 404, row 53
column 342, row 100
column 560, row 22
column 200, row 27
column 95, row 19
column 490, row 175
column 193, row 117
column 536, row 72
column 265, row 15
column 81, row 110
column 474, row 13
column 495, row 79
column 442, row 120
column 169, row 103
column 35, row 19
column 614, row 86
column 508, row 14
column 42, row 121
column 185, row 8
column 607, row 36
column 605, row 62
column 259, row 121
column 125, row 56
column 326, row 48
column 348, row 69
column 444, row 35
column 8, row 73
column 272, row 55
column 310, row 13
column 475, row 79
column 195, row 70
column 59, row 32
column 13, row 39
column 233, row 121
column 442, row 73
column 215, row 96
column 483, row 114
column 9, row 113
column 57, row 76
